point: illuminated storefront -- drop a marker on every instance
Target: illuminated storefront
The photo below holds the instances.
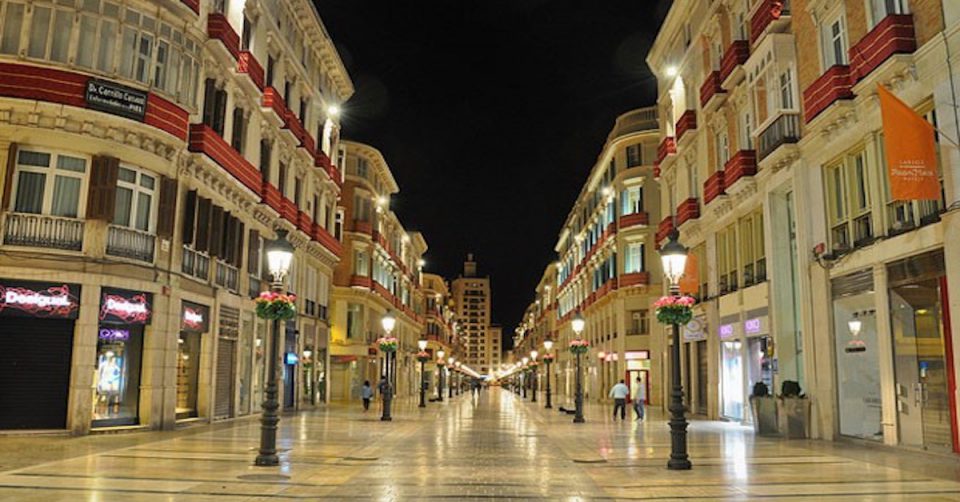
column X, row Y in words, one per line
column 37, row 322
column 194, row 322
column 116, row 376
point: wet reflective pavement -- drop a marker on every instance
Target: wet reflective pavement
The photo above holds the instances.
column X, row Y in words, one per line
column 494, row 446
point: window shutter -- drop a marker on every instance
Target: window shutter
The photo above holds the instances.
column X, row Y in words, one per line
column 229, row 237
column 203, row 225
column 167, row 207
column 189, row 216
column 216, row 231
column 253, row 250
column 8, row 175
column 101, row 196
column 237, row 244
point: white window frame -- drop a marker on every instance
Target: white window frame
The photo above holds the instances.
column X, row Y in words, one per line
column 137, row 188
column 633, row 258
column 900, row 7
column 722, row 142
column 49, row 182
column 829, row 40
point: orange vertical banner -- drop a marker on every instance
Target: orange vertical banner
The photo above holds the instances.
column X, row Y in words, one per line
column 690, row 281
column 911, row 150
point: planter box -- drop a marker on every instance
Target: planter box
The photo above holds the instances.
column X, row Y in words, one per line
column 764, row 411
column 794, row 417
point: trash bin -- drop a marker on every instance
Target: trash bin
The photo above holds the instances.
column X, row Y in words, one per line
column 764, row 409
column 794, row 417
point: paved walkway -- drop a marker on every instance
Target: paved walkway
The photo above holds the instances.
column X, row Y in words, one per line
column 492, row 447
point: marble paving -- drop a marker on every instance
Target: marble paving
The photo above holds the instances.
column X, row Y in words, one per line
column 492, row 447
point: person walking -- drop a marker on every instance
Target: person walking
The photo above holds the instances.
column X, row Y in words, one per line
column 366, row 393
column 619, row 393
column 639, row 398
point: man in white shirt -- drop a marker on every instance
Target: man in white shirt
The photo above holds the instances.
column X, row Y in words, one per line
column 639, row 398
column 619, row 393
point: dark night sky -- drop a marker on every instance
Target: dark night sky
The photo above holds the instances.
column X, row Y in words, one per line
column 491, row 115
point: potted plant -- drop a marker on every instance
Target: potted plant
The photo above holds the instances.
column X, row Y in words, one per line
column 579, row 346
column 387, row 344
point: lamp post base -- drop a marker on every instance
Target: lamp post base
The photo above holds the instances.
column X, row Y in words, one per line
column 267, row 461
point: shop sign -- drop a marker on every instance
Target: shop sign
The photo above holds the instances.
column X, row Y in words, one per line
column 116, row 99
column 125, row 307
column 36, row 299
column 636, row 354
column 694, row 330
column 114, row 335
column 194, row 318
column 726, row 331
column 752, row 326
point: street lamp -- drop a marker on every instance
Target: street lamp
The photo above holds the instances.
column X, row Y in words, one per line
column 533, row 376
column 674, row 258
column 422, row 356
column 388, row 322
column 548, row 358
column 440, row 355
column 450, row 369
column 279, row 257
column 524, row 377
column 458, row 365
column 578, row 323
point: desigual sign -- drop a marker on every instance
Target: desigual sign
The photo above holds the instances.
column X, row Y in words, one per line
column 37, row 299
column 125, row 307
column 194, row 317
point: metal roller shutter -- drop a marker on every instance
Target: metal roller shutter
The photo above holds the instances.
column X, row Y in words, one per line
column 226, row 353
column 34, row 372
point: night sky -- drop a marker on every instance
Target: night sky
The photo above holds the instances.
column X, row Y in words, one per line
column 491, row 115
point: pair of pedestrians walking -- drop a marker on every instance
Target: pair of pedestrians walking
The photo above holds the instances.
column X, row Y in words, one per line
column 620, row 393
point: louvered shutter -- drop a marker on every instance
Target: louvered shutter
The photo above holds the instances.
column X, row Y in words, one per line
column 8, row 175
column 101, row 195
column 216, row 231
column 189, row 216
column 166, row 219
column 203, row 225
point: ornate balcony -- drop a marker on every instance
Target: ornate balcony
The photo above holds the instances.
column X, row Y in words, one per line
column 713, row 187
column 741, row 166
column 304, row 223
column 272, row 197
column 711, row 94
column 328, row 241
column 129, row 243
column 667, row 147
column 219, row 28
column 731, row 68
column 193, row 5
column 288, row 210
column 273, row 102
column 686, row 123
column 834, row 85
column 42, row 231
column 227, row 276
column 634, row 220
column 770, row 15
column 248, row 65
column 894, row 34
column 688, row 210
column 634, row 279
column 782, row 131
column 205, row 140
column 363, row 227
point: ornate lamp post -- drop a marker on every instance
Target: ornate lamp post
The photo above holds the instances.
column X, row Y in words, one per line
column 578, row 323
column 548, row 358
column 388, row 346
column 450, row 369
column 423, row 357
column 533, row 374
column 440, row 355
column 458, row 365
column 279, row 257
column 674, row 258
column 525, row 382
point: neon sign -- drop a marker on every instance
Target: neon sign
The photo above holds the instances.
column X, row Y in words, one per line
column 726, row 331
column 39, row 300
column 114, row 335
column 193, row 317
column 751, row 326
column 125, row 307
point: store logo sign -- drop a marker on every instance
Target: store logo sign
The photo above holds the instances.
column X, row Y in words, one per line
column 726, row 331
column 194, row 318
column 39, row 301
column 114, row 335
column 125, row 307
column 751, row 326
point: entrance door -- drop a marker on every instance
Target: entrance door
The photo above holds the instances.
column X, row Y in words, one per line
column 641, row 389
column 34, row 372
column 923, row 401
column 226, row 375
column 732, row 379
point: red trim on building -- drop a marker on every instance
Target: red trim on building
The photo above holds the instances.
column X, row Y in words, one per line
column 271, row 196
column 635, row 279
column 288, row 210
column 248, row 65
column 710, row 88
column 832, row 86
column 358, row 280
column 664, row 228
column 687, row 122
column 194, row 5
column 894, row 34
column 713, row 187
column 688, row 210
column 205, row 140
column 635, row 219
column 735, row 55
column 218, row 28
column 667, row 147
column 274, row 101
column 768, row 12
column 743, row 163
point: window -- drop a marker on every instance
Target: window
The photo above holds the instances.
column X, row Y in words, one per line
column 694, row 181
column 879, row 9
column 135, row 200
column 746, row 131
column 48, row 183
column 632, row 200
column 361, row 167
column 12, row 24
column 786, row 90
column 282, row 182
column 849, row 211
column 246, row 34
column 752, row 259
column 361, row 265
column 634, row 156
column 265, row 151
column 239, row 138
column 214, row 106
column 639, row 322
column 354, row 321
column 634, row 260
column 834, row 42
column 50, row 33
column 727, row 259
column 723, row 149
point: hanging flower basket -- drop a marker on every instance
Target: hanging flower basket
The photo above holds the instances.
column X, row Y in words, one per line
column 387, row 344
column 674, row 309
column 579, row 346
column 548, row 357
column 533, row 365
column 276, row 306
column 423, row 357
column 440, row 363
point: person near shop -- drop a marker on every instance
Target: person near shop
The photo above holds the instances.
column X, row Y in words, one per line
column 366, row 393
column 639, row 397
column 620, row 392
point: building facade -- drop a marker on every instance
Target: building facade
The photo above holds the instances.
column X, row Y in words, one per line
column 380, row 272
column 147, row 155
column 472, row 303
column 607, row 270
column 772, row 166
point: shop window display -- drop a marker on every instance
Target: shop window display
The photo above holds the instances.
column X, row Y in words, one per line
column 188, row 371
column 117, row 376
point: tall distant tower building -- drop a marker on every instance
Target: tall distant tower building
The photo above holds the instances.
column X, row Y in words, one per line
column 471, row 296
